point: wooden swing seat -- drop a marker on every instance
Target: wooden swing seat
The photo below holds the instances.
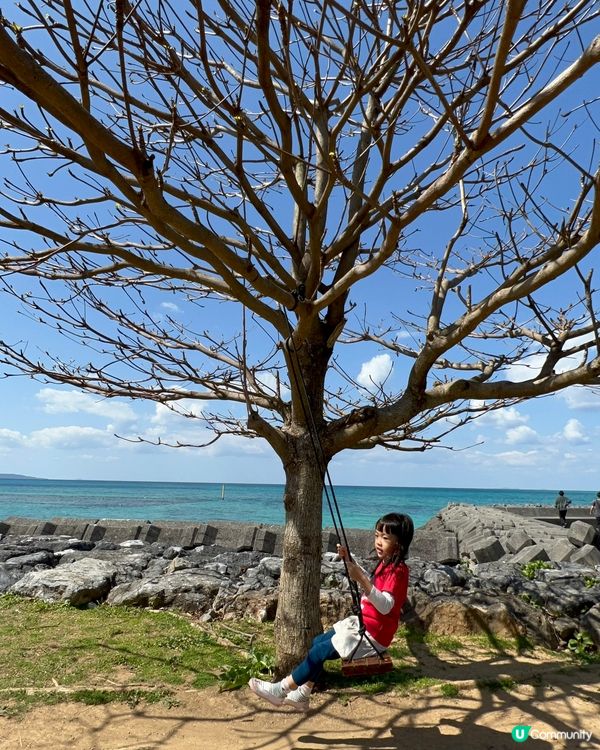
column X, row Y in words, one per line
column 366, row 666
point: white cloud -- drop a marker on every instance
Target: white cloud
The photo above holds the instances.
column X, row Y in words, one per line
column 519, row 458
column 56, row 401
column 269, row 381
column 170, row 306
column 234, row 445
column 374, row 372
column 67, row 438
column 175, row 410
column 581, row 397
column 10, row 436
column 521, row 434
column 501, row 418
column 10, row 439
column 530, row 366
column 573, row 432
column 524, row 369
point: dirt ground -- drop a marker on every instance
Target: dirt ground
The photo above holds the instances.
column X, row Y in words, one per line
column 544, row 696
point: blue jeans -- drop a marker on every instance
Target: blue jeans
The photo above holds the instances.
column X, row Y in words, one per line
column 321, row 650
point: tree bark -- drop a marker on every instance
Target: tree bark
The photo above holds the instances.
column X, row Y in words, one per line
column 298, row 617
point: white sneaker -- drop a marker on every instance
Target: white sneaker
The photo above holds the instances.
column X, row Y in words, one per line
column 297, row 700
column 269, row 691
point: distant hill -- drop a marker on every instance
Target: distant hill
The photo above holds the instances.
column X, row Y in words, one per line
column 16, row 476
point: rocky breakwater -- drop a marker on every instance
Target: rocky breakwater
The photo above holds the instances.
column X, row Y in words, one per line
column 517, row 575
column 489, row 534
column 456, row 590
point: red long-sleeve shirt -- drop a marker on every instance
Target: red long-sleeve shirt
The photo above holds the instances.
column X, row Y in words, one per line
column 393, row 579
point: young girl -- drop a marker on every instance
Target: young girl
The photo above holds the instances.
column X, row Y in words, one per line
column 381, row 603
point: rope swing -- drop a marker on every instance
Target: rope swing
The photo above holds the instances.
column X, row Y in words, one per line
column 369, row 665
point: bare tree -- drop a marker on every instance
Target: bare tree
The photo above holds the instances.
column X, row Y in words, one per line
column 284, row 158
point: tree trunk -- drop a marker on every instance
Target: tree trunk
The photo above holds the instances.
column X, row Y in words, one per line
column 298, row 615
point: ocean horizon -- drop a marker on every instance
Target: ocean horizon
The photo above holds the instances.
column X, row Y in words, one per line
column 198, row 502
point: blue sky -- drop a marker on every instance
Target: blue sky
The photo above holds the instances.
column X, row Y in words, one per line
column 54, row 431
column 58, row 432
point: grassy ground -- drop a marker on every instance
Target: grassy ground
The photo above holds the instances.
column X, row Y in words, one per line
column 53, row 653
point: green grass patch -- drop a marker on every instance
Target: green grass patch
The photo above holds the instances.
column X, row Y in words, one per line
column 436, row 645
column 503, row 683
column 497, row 644
column 42, row 645
column 402, row 680
column 531, row 569
column 125, row 654
column 449, row 690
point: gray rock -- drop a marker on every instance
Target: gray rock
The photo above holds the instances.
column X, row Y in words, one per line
column 247, row 539
column 128, row 564
column 11, row 550
column 189, row 590
column 271, row 566
column 530, row 554
column 172, row 552
column 498, row 577
column 8, row 576
column 156, row 567
column 43, row 557
column 587, row 555
column 106, row 545
column 455, row 616
column 256, row 605
column 591, row 622
column 206, row 552
column 265, row 541
column 488, row 550
column 182, row 563
column 436, row 581
column 560, row 550
column 238, row 563
column 517, row 540
column 215, row 582
column 565, row 627
column 558, row 577
column 581, row 533
column 440, row 546
column 79, row 583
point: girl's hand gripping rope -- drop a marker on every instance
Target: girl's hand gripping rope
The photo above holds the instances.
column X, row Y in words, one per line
column 355, row 572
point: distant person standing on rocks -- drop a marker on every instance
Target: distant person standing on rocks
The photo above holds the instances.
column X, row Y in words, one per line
column 595, row 509
column 561, row 504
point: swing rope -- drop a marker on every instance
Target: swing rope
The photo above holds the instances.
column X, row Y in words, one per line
column 328, row 489
column 319, row 453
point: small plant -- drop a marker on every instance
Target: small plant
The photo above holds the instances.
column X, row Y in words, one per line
column 589, row 582
column 503, row 683
column 234, row 676
column 528, row 599
column 449, row 690
column 581, row 645
column 530, row 569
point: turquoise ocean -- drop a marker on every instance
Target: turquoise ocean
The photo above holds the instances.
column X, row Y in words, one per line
column 255, row 503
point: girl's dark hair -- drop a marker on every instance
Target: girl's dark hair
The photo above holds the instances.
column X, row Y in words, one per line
column 400, row 526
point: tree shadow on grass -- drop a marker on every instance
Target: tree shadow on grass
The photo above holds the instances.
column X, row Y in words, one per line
column 498, row 680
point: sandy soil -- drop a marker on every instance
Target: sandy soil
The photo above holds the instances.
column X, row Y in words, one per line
column 546, row 698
